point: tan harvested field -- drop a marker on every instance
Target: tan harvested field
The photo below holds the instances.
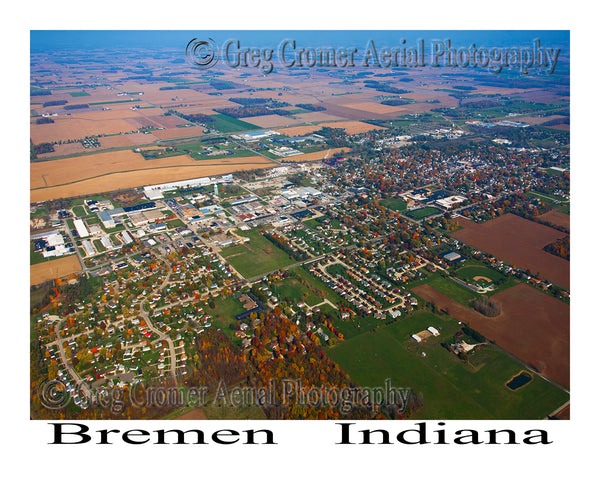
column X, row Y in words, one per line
column 373, row 107
column 116, row 113
column 320, row 155
column 352, row 128
column 533, row 326
column 137, row 178
column 127, row 140
column 270, row 121
column 540, row 120
column 557, row 218
column 183, row 132
column 312, row 117
column 68, row 170
column 563, row 127
column 61, row 267
column 64, row 149
column 519, row 242
column 72, row 128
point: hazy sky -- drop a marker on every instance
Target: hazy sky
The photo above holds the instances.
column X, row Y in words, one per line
column 44, row 40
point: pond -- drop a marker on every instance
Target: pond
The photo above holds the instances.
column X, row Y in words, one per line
column 520, row 380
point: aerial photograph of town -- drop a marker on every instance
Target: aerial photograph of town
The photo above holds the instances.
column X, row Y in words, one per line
column 321, row 225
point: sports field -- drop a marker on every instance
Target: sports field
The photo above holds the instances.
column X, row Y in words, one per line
column 395, row 204
column 451, row 388
column 424, row 212
column 257, row 257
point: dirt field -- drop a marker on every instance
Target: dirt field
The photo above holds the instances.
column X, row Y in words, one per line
column 61, row 267
column 352, row 128
column 533, row 326
column 122, row 180
column 557, row 218
column 520, row 242
column 320, row 155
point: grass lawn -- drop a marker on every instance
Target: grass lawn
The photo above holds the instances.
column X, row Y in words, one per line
column 451, row 388
column 79, row 211
column 292, row 289
column 225, row 123
column 451, row 289
column 224, row 314
column 257, row 257
column 175, row 223
column 35, row 257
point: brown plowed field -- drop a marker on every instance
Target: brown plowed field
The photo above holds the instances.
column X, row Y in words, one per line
column 557, row 218
column 352, row 128
column 519, row 242
column 533, row 326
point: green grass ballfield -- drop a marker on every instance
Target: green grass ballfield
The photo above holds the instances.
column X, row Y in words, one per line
column 257, row 257
column 451, row 388
column 468, row 272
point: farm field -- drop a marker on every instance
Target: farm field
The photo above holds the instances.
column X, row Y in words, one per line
column 450, row 388
column 351, row 128
column 269, row 121
column 256, row 258
column 227, row 124
column 518, row 241
column 533, row 326
column 557, row 218
column 319, row 155
column 123, row 180
column 88, row 173
column 51, row 269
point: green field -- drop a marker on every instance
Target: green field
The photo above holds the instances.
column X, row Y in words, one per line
column 226, row 124
column 424, row 212
column 395, row 204
column 451, row 289
column 450, row 387
column 79, row 94
column 257, row 257
column 79, row 211
column 224, row 315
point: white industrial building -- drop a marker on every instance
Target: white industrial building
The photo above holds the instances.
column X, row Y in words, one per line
column 81, row 229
